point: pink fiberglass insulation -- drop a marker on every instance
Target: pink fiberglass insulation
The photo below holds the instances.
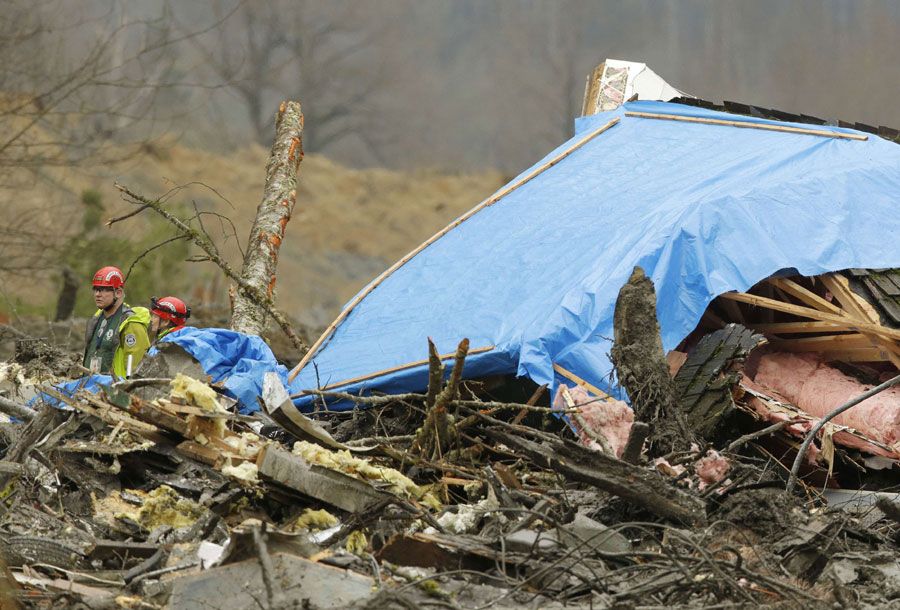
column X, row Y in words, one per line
column 711, row 468
column 611, row 418
column 819, row 389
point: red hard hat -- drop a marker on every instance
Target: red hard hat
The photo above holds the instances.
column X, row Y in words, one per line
column 110, row 277
column 170, row 308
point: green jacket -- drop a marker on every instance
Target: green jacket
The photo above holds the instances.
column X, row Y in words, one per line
column 114, row 349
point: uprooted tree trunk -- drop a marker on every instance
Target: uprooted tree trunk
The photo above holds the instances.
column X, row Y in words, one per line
column 434, row 437
column 272, row 216
column 642, row 369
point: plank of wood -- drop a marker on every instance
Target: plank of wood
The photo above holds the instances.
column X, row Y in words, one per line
column 858, row 354
column 734, row 312
column 202, row 453
column 103, row 411
column 809, row 312
column 487, row 202
column 807, row 296
column 592, row 90
column 587, row 386
column 329, row 486
column 749, row 125
column 158, row 417
column 402, row 367
column 860, row 308
column 781, row 328
column 824, row 343
column 851, row 302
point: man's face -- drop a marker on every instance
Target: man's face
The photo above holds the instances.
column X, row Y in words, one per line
column 154, row 323
column 104, row 296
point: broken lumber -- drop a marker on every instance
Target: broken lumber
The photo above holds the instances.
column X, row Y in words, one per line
column 324, row 484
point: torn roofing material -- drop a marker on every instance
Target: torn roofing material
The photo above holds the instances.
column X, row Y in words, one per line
column 704, row 208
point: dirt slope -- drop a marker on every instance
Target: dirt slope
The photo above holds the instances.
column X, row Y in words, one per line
column 347, row 227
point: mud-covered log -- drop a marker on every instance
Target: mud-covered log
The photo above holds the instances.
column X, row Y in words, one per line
column 272, row 216
column 637, row 485
column 642, row 369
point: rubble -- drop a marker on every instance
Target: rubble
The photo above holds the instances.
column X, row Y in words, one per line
column 156, row 493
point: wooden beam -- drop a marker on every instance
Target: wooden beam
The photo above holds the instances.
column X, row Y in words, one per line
column 710, row 318
column 781, row 328
column 859, row 354
column 854, row 304
column 824, row 343
column 487, row 202
column 815, row 314
column 858, row 307
column 592, row 90
column 394, row 369
column 807, row 296
column 734, row 312
column 748, row 124
column 587, row 386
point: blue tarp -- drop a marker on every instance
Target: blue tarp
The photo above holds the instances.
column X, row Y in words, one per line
column 240, row 360
column 703, row 209
column 89, row 384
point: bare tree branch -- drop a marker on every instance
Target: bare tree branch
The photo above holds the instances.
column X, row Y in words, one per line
column 204, row 244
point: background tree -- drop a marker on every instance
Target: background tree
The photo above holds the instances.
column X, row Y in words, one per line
column 335, row 54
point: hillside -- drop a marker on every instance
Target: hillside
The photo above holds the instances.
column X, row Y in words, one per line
column 348, row 225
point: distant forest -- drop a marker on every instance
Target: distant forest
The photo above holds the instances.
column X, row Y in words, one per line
column 460, row 84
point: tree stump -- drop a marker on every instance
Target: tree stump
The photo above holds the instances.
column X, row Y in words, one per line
column 642, row 369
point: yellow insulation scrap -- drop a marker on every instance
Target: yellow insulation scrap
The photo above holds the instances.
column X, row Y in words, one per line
column 199, row 394
column 313, row 521
column 195, row 392
column 246, row 471
column 344, row 462
column 245, row 445
column 163, row 506
column 356, row 542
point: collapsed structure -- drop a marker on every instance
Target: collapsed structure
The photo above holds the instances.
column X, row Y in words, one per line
column 705, row 202
column 760, row 237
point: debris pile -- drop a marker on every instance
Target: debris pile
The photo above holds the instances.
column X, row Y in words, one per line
column 156, row 492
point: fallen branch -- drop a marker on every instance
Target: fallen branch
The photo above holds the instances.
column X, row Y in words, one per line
column 127, row 385
column 760, row 433
column 632, row 452
column 33, row 432
column 273, row 588
column 14, row 409
column 414, row 397
column 637, row 485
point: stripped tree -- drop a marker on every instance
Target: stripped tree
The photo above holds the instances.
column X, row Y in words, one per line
column 272, row 216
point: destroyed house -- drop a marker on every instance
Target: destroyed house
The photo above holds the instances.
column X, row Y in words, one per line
column 707, row 202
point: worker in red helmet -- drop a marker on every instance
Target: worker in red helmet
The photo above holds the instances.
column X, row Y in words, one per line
column 116, row 337
column 167, row 314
